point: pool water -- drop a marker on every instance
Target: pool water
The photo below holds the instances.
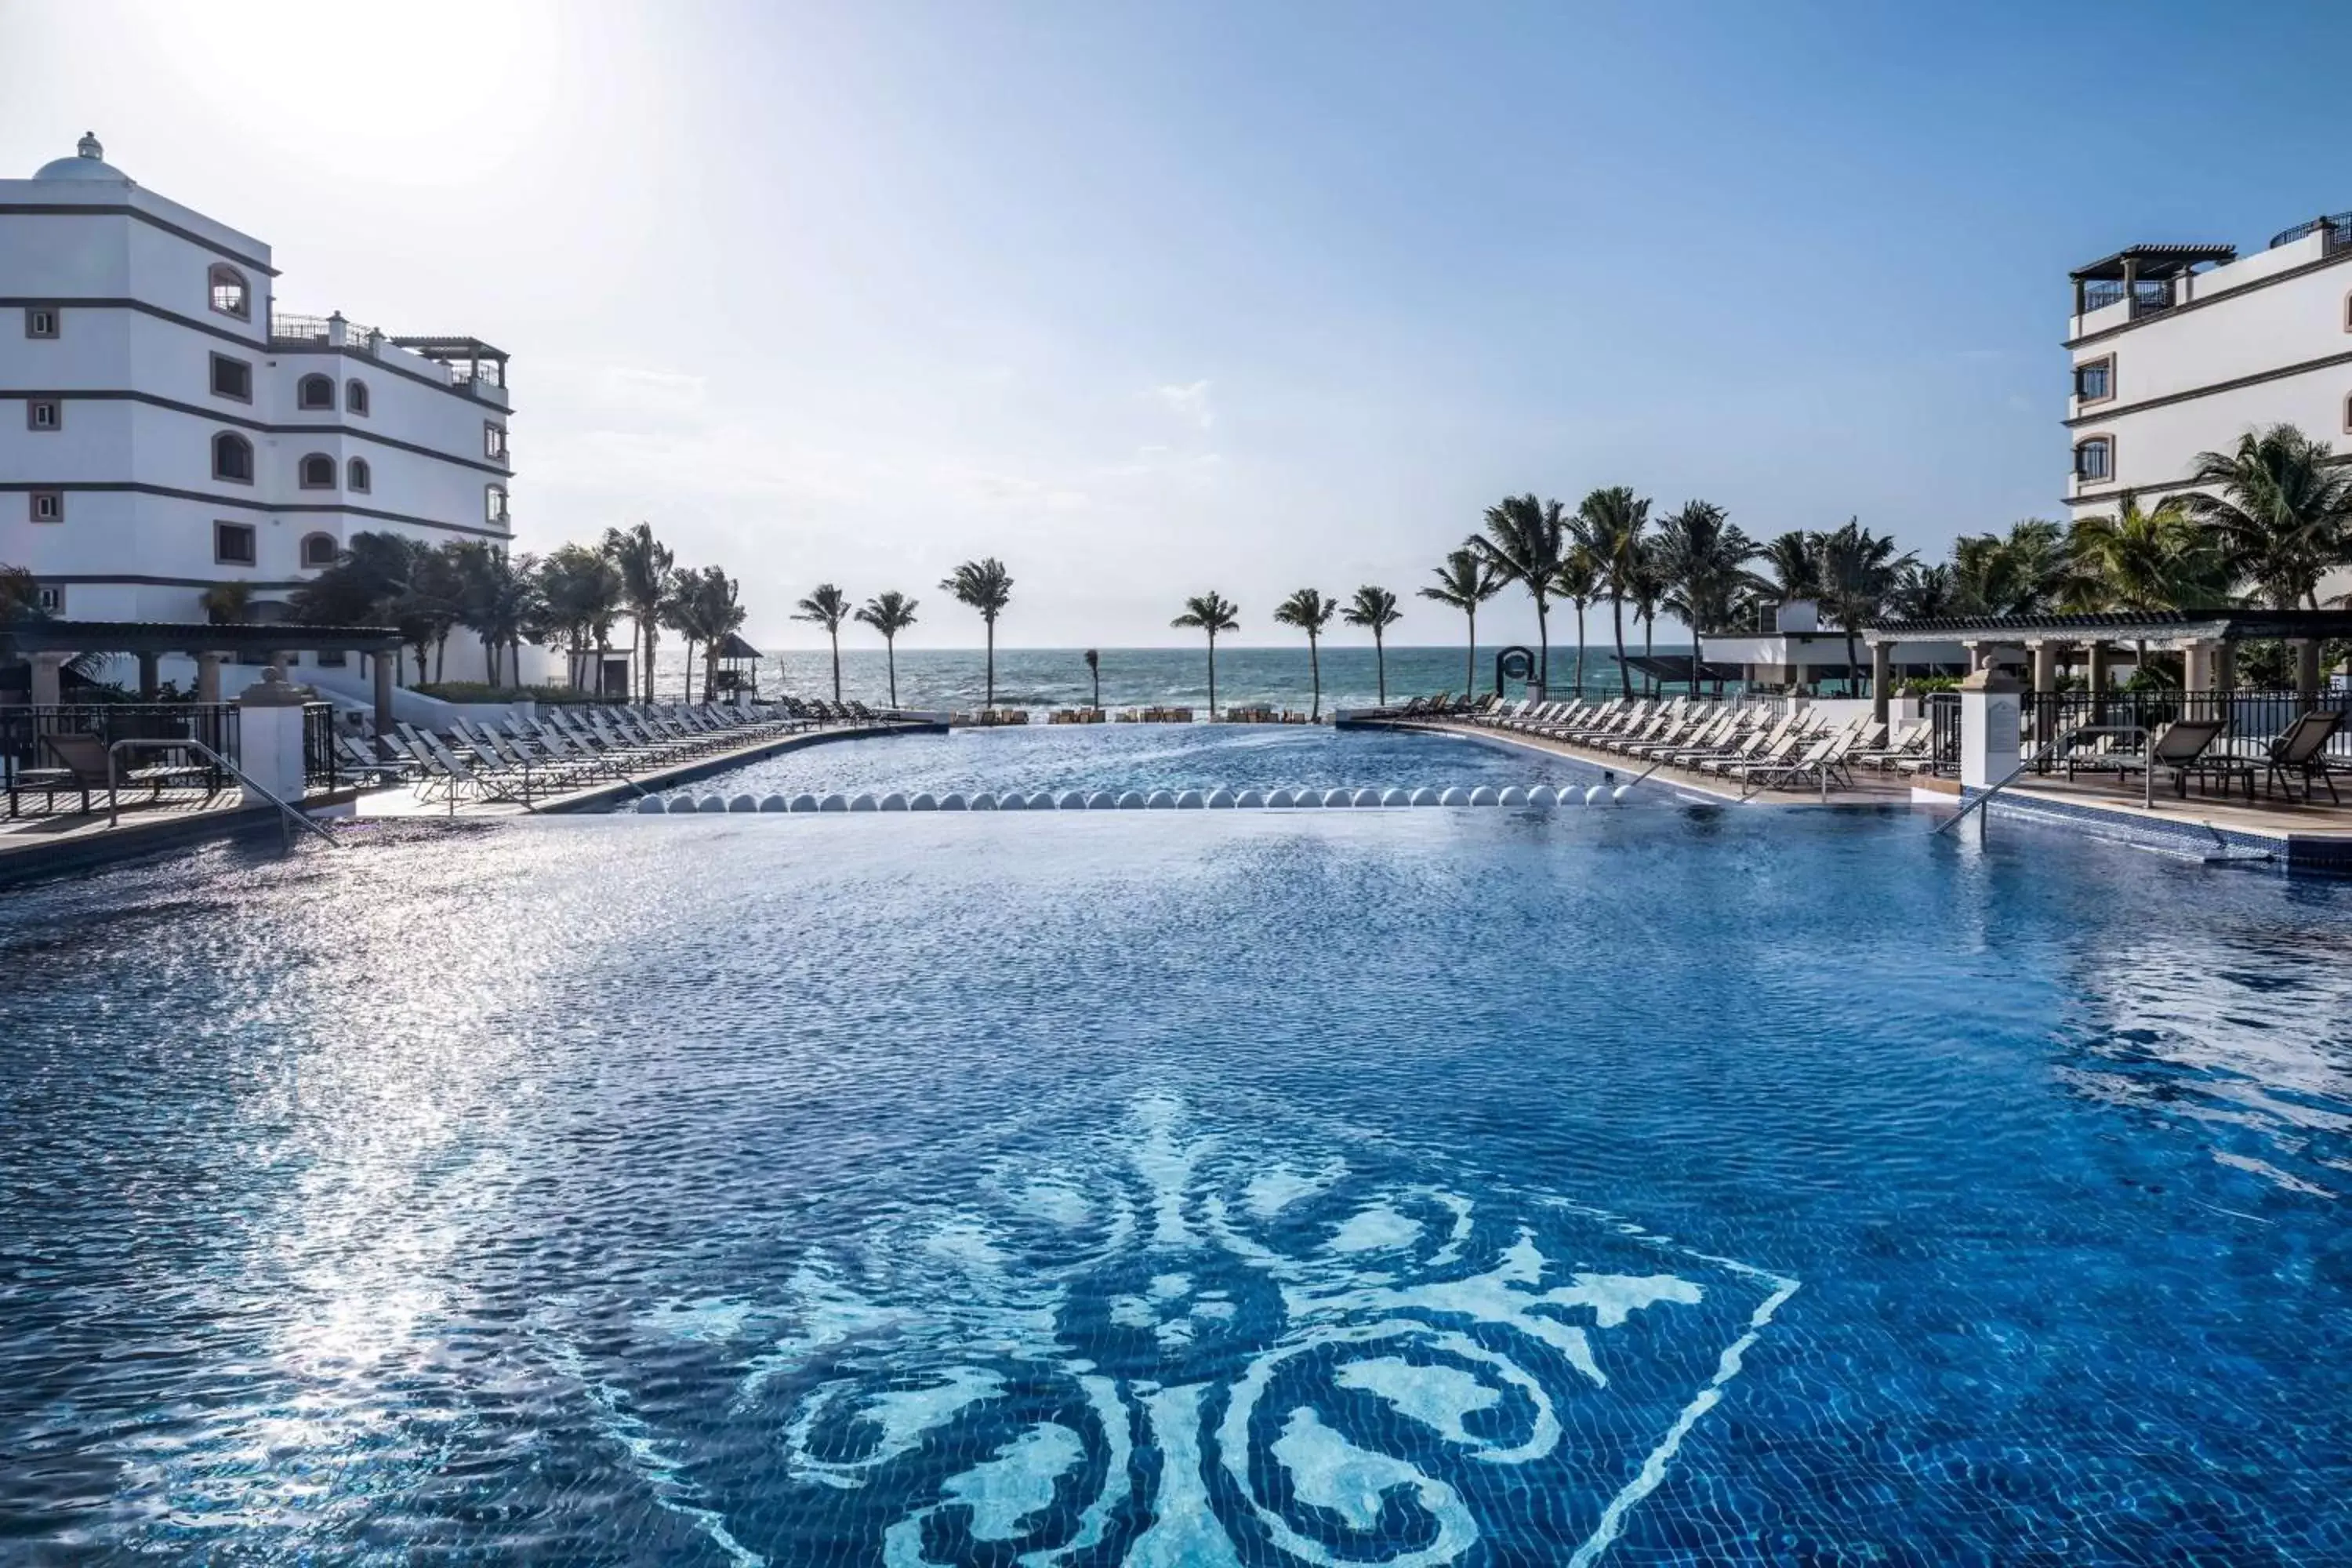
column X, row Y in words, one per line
column 1695, row 1185
column 1146, row 757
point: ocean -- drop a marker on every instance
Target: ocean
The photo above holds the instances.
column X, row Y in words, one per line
column 942, row 678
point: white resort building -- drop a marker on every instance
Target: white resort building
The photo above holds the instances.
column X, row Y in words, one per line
column 179, row 431
column 2181, row 349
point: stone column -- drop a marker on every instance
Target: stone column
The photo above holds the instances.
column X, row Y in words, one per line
column 385, row 660
column 209, row 675
column 1882, row 679
column 48, row 679
column 1988, row 710
column 269, row 736
column 2100, row 682
column 2225, row 666
column 150, row 684
column 2306, row 669
column 2196, row 667
column 2046, row 692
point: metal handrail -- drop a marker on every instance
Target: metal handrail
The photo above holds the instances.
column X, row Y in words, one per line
column 2051, row 749
column 115, row 803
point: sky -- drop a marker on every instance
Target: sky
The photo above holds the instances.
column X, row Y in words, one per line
column 1148, row 299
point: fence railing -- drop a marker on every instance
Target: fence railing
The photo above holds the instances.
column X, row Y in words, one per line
column 2146, row 298
column 322, row 769
column 24, row 732
column 2248, row 719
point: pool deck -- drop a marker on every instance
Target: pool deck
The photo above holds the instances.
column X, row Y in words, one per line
column 401, row 800
column 66, row 842
column 1869, row 789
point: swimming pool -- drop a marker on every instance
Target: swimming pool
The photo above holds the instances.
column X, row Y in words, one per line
column 1689, row 1185
column 1053, row 758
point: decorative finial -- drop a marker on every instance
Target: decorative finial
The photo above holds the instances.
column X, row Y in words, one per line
column 87, row 146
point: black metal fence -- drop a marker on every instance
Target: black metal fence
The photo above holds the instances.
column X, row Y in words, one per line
column 320, row 766
column 2248, row 719
column 24, row 732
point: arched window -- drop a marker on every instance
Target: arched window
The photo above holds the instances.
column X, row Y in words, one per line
column 315, row 392
column 494, row 503
column 2095, row 459
column 319, row 549
column 229, row 295
column 318, row 473
column 355, row 396
column 357, row 475
column 231, row 458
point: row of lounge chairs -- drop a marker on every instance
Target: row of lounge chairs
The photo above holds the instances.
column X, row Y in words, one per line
column 1757, row 746
column 566, row 748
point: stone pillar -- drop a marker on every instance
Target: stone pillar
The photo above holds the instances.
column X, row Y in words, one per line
column 2306, row 669
column 150, row 685
column 2101, row 682
column 2196, row 667
column 1882, row 679
column 48, row 679
column 2046, row 692
column 2225, row 666
column 209, row 675
column 269, row 736
column 385, row 661
column 1988, row 712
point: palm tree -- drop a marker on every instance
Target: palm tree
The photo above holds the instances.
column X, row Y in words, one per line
column 498, row 600
column 20, row 594
column 1704, row 558
column 644, row 563
column 888, row 614
column 828, row 607
column 2139, row 560
column 1310, row 611
column 226, row 603
column 580, row 598
column 1791, row 568
column 679, row 613
column 1578, row 582
column 1645, row 585
column 2020, row 575
column 1375, row 608
column 1525, row 539
column 1858, row 572
column 1924, row 593
column 987, row 587
column 2284, row 511
column 1094, row 668
column 711, row 613
column 1468, row 580
column 1611, row 522
column 1213, row 612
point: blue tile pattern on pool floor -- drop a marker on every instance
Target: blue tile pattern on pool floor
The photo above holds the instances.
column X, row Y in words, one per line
column 1689, row 1185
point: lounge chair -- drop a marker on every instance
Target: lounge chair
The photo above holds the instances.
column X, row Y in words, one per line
column 2180, row 750
column 2302, row 748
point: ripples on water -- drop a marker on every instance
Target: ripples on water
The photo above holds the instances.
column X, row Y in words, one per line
column 815, row 1190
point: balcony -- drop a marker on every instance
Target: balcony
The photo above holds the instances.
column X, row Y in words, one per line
column 2146, row 298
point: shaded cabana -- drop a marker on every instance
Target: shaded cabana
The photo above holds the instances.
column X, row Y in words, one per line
column 739, row 666
column 2207, row 641
column 46, row 645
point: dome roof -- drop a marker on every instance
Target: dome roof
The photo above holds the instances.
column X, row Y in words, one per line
column 89, row 163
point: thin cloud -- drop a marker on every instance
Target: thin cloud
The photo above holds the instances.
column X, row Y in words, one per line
column 1188, row 402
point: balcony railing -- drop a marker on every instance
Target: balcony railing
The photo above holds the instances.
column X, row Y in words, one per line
column 286, row 327
column 2146, row 298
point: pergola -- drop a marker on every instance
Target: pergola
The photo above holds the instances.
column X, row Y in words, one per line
column 2207, row 640
column 739, row 665
column 46, row 645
